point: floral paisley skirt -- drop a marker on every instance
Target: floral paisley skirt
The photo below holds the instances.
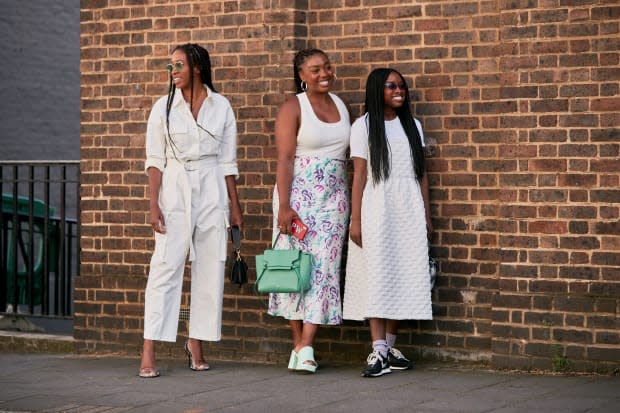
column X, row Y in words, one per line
column 320, row 195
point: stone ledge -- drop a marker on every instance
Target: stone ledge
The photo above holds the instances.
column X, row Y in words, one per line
column 19, row 342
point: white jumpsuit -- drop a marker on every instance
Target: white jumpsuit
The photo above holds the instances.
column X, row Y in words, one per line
column 194, row 202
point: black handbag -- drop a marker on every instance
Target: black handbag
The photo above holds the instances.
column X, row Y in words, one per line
column 238, row 267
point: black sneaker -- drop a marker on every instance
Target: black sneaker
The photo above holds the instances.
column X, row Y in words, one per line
column 397, row 361
column 377, row 365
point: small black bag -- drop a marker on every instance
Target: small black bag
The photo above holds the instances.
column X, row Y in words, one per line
column 238, row 267
column 432, row 267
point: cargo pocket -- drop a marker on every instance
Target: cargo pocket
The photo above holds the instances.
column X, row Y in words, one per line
column 211, row 236
column 161, row 240
column 171, row 247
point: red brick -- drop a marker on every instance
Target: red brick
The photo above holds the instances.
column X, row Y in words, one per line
column 548, row 227
column 424, row 25
column 539, row 165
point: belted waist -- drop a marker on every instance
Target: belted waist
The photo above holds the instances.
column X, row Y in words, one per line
column 198, row 164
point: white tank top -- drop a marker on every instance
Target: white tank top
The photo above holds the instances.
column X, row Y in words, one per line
column 320, row 139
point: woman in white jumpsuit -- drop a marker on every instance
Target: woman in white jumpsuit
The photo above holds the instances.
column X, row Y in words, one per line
column 191, row 166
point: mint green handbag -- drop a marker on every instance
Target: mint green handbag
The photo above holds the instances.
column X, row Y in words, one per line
column 283, row 271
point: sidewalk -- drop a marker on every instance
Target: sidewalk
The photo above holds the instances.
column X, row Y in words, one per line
column 71, row 383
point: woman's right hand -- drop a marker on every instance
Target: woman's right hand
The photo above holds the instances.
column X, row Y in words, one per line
column 157, row 219
column 285, row 219
column 355, row 232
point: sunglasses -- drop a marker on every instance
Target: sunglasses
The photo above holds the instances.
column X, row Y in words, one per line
column 178, row 66
column 393, row 86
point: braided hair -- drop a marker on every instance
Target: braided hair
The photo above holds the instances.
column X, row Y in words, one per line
column 299, row 59
column 197, row 56
column 379, row 147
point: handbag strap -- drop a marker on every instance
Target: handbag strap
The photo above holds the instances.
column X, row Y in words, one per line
column 275, row 240
column 235, row 235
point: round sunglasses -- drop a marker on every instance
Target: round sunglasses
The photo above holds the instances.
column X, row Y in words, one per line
column 178, row 66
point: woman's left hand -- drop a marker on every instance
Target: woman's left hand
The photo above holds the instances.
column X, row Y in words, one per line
column 236, row 217
column 355, row 232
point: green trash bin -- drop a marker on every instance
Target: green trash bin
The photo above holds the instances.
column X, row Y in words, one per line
column 19, row 270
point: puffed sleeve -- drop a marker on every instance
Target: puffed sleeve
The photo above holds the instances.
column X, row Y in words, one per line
column 359, row 138
column 227, row 157
column 155, row 139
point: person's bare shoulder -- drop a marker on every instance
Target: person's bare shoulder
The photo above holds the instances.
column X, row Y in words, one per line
column 290, row 107
column 290, row 103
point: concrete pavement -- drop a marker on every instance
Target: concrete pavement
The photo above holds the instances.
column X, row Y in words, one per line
column 80, row 384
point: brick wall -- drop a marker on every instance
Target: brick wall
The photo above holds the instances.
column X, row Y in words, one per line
column 519, row 101
column 557, row 215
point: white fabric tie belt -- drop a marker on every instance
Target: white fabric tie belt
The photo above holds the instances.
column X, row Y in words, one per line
column 185, row 187
column 198, row 164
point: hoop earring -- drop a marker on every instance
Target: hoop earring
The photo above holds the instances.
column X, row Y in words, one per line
column 335, row 77
column 303, row 85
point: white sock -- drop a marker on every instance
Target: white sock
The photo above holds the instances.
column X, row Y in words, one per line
column 391, row 339
column 381, row 347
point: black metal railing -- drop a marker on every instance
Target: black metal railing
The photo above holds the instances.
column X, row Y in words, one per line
column 39, row 240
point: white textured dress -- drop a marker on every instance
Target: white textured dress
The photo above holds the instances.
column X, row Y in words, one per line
column 389, row 276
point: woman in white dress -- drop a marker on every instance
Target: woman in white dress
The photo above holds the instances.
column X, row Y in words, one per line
column 387, row 274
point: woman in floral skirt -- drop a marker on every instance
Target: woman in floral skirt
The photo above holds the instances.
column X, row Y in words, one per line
column 312, row 136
